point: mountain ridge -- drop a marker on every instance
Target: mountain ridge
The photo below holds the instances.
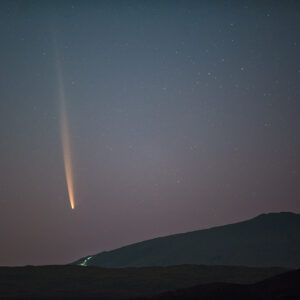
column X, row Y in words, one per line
column 265, row 233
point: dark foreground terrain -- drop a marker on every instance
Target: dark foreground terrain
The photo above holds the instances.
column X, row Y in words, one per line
column 283, row 286
column 61, row 282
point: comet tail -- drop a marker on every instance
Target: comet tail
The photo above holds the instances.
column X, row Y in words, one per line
column 64, row 130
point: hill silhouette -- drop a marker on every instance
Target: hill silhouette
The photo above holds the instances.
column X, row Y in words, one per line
column 283, row 286
column 71, row 282
column 267, row 240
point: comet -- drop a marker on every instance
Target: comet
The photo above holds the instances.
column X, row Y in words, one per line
column 64, row 130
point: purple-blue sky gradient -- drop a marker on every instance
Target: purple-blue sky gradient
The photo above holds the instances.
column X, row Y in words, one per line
column 182, row 116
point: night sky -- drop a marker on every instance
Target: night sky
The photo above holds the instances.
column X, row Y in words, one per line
column 182, row 115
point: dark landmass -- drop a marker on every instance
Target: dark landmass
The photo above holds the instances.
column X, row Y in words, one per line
column 265, row 241
column 283, row 286
column 61, row 282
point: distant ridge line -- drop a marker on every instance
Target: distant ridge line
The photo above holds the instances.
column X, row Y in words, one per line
column 269, row 239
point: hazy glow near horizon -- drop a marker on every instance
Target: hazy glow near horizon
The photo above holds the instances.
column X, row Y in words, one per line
column 65, row 136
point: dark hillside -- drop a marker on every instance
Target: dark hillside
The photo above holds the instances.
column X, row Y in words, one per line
column 284, row 286
column 265, row 241
column 87, row 282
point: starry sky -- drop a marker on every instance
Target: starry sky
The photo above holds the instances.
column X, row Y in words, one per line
column 183, row 115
